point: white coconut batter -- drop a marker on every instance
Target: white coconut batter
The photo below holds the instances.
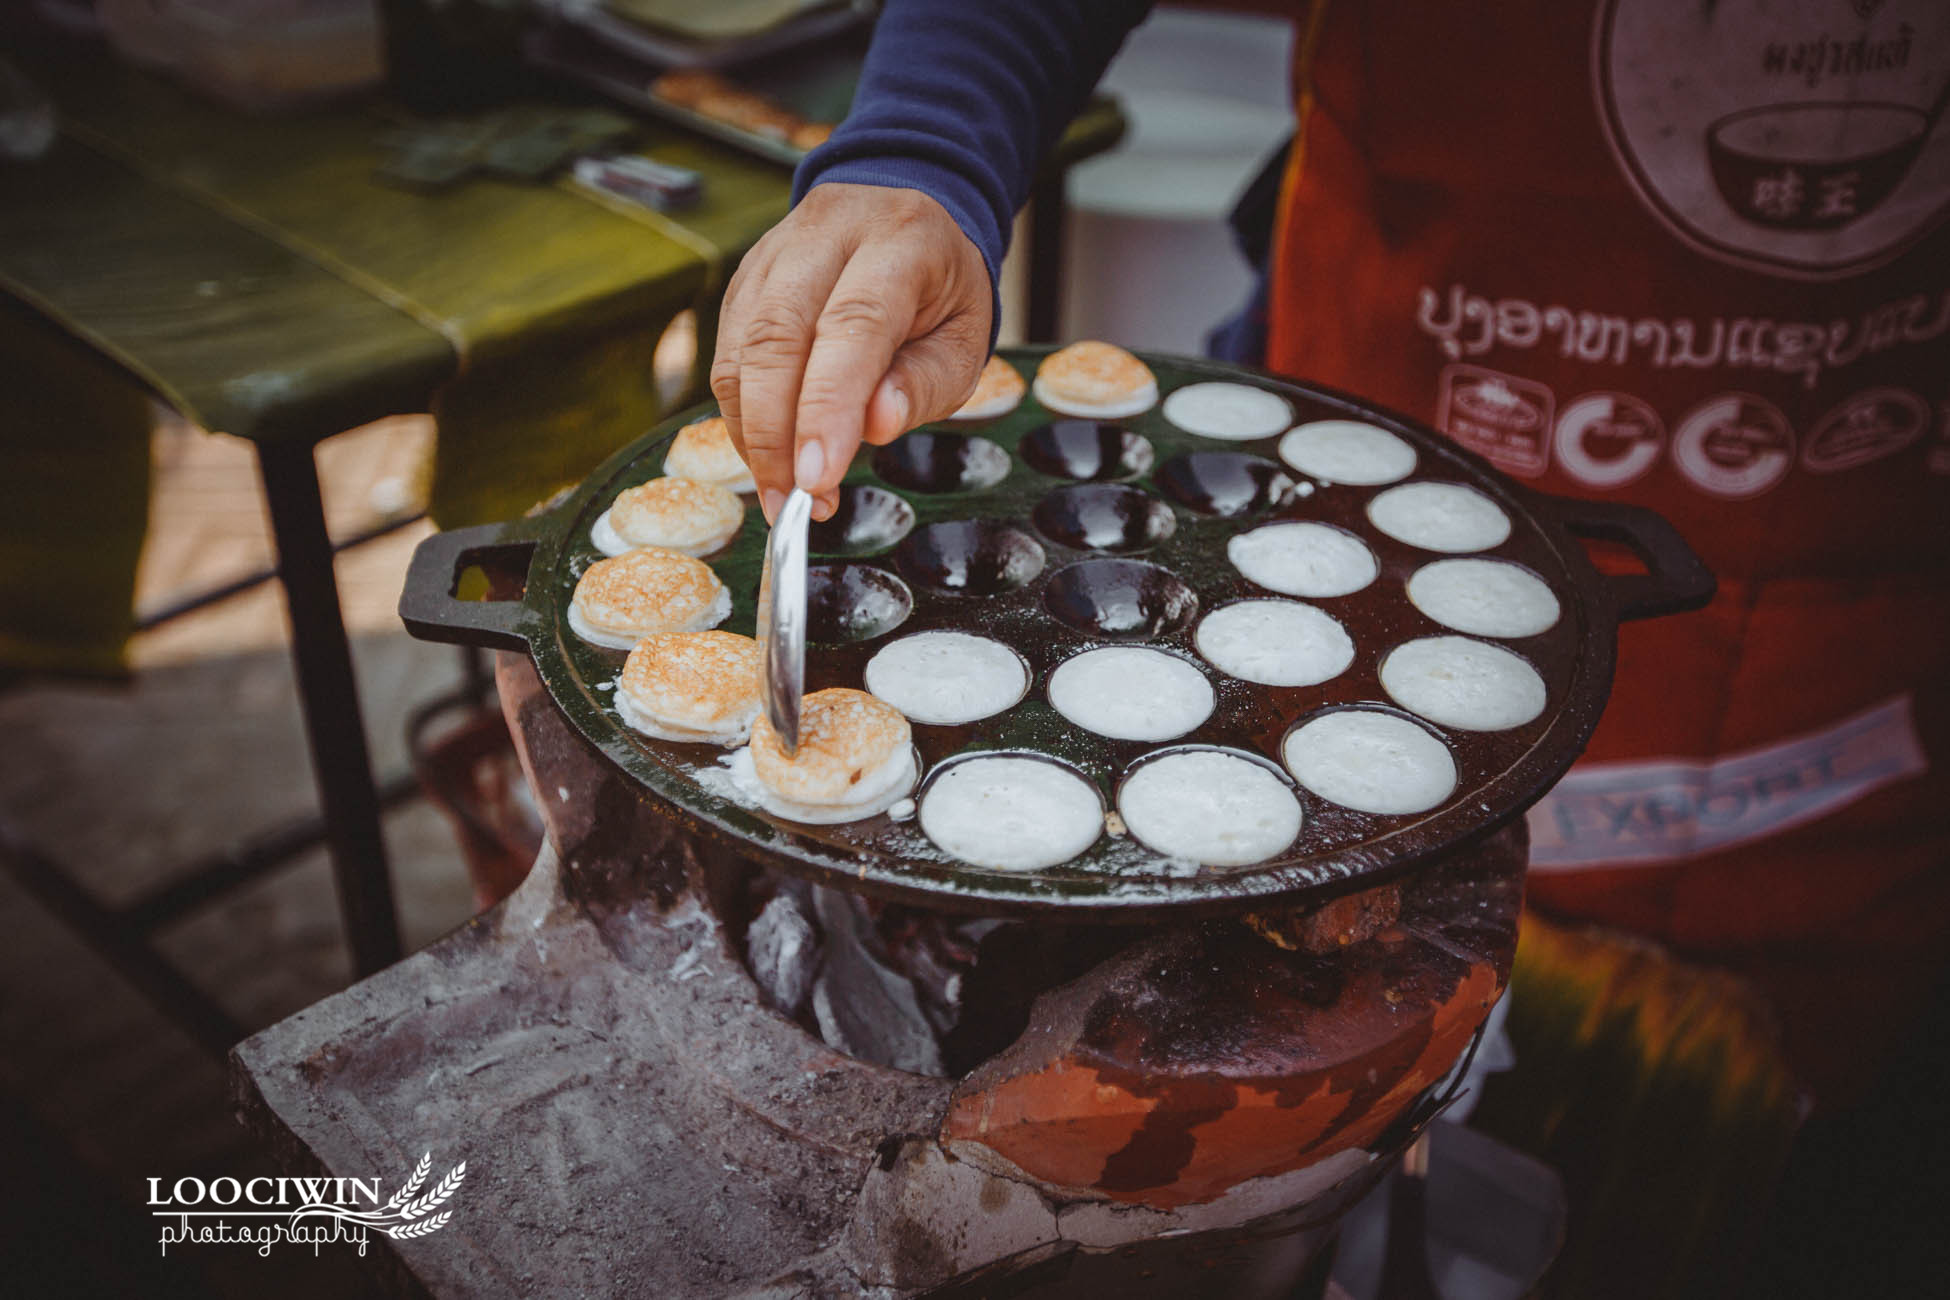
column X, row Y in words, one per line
column 1209, row 807
column 1011, row 813
column 1370, row 761
column 1484, row 597
column 1130, row 693
column 1444, row 517
column 986, row 408
column 1275, row 642
column 1456, row 682
column 946, row 678
column 606, row 539
column 1348, row 451
column 1228, row 412
column 1303, row 559
column 735, row 731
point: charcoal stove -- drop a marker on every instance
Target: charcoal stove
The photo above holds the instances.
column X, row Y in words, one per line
column 1162, row 1083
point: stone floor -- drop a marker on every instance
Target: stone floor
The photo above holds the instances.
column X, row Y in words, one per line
column 98, row 1091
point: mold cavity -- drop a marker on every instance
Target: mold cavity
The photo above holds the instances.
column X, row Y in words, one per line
column 1225, row 483
column 868, row 521
column 1086, row 450
column 942, row 462
column 970, row 557
column 1121, row 598
column 854, row 602
column 1104, row 517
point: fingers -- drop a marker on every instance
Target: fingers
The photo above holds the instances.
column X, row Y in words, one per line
column 887, row 414
column 763, row 340
column 864, row 313
column 724, row 358
column 868, row 315
column 929, row 377
column 893, row 350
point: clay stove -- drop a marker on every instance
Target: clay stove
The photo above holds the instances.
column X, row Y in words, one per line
column 1167, row 1110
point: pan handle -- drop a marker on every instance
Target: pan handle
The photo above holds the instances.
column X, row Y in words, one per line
column 428, row 606
column 1677, row 579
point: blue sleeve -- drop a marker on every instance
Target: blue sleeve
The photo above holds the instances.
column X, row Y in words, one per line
column 960, row 99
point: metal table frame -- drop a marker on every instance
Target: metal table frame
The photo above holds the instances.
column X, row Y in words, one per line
column 341, row 763
column 351, row 801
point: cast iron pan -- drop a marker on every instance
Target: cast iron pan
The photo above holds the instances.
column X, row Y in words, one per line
column 921, row 511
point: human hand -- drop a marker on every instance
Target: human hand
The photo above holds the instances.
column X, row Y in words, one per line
column 861, row 315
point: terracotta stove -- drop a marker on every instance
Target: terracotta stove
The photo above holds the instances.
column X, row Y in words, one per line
column 1160, row 1110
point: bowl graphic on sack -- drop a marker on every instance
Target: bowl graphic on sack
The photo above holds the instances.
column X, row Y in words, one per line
column 1497, row 405
column 1612, row 439
column 1815, row 166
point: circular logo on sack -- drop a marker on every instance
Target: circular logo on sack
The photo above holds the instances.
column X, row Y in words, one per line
column 1803, row 137
column 1867, row 427
column 1735, row 445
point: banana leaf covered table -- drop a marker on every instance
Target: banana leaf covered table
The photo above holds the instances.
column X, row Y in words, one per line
column 258, row 276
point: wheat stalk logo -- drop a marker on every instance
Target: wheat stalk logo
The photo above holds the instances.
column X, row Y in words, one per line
column 433, row 1200
column 412, row 1185
column 408, row 1213
column 406, row 1231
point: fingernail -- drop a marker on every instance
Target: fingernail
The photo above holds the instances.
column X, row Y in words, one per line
column 900, row 411
column 811, row 465
column 772, row 499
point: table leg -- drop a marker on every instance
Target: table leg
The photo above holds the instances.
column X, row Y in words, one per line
column 477, row 676
column 1046, row 212
column 340, row 763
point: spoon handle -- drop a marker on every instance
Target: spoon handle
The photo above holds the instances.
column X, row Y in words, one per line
column 782, row 619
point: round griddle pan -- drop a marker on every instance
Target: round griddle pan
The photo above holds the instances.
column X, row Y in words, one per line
column 1055, row 535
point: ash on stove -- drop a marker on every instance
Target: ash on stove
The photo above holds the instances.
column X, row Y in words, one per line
column 926, row 992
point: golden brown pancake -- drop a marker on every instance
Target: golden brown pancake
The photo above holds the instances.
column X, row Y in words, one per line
column 997, row 391
column 704, row 453
column 691, row 686
column 855, row 757
column 1096, row 381
column 678, row 514
column 646, row 591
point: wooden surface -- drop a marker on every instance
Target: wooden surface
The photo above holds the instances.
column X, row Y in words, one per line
column 256, row 275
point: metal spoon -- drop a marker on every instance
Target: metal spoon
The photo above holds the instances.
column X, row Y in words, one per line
column 782, row 619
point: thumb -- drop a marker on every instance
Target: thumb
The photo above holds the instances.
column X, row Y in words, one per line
column 929, row 377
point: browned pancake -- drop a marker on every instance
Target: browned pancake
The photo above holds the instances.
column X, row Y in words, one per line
column 646, row 591
column 847, row 742
column 691, row 686
column 678, row 514
column 997, row 391
column 704, row 453
column 1095, row 379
